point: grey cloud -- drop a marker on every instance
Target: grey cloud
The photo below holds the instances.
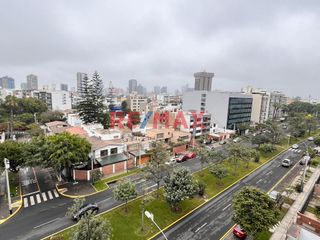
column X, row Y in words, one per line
column 272, row 44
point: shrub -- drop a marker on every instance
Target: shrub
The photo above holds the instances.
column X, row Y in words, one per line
column 201, row 188
column 96, row 175
column 267, row 148
column 298, row 188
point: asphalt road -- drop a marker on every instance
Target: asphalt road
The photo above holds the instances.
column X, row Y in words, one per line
column 214, row 219
column 41, row 220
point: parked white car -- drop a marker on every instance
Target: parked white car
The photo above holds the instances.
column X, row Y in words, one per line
column 310, row 138
column 171, row 161
column 295, row 146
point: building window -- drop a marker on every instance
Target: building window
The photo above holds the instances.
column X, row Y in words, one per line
column 104, row 153
column 114, row 150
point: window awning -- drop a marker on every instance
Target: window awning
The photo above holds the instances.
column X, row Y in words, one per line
column 103, row 161
column 137, row 153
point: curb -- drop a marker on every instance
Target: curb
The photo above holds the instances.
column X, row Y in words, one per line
column 90, row 194
column 80, row 196
column 18, row 209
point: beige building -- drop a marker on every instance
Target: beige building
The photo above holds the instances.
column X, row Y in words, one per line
column 138, row 103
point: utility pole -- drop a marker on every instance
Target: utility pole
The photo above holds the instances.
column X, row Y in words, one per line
column 7, row 166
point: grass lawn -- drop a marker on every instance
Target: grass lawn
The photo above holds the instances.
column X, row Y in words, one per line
column 265, row 235
column 14, row 184
column 126, row 226
column 102, row 184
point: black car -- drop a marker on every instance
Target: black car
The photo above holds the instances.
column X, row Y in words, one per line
column 85, row 209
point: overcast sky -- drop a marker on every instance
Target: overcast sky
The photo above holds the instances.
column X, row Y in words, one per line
column 266, row 44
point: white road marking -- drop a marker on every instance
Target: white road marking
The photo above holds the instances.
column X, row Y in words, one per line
column 269, row 173
column 46, row 223
column 44, row 196
column 226, row 207
column 50, row 195
column 25, row 202
column 55, row 193
column 202, row 226
column 32, row 201
column 258, row 181
column 105, row 200
column 38, row 198
column 151, row 186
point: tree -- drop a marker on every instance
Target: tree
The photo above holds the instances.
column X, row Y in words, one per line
column 105, row 120
column 60, row 151
column 96, row 175
column 297, row 125
column 92, row 228
column 239, row 153
column 15, row 152
column 91, row 107
column 156, row 168
column 204, row 154
column 317, row 141
column 260, row 139
column 34, row 130
column 26, row 118
column 219, row 172
column 310, row 123
column 179, row 185
column 125, row 191
column 51, row 116
column 75, row 207
column 124, row 107
column 254, row 210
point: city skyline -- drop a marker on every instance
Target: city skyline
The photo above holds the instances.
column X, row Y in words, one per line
column 265, row 45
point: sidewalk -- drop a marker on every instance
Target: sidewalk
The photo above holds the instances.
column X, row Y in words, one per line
column 4, row 208
column 290, row 217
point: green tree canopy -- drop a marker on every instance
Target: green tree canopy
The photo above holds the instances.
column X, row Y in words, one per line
column 156, row 168
column 15, row 152
column 254, row 210
column 179, row 185
column 125, row 191
column 92, row 228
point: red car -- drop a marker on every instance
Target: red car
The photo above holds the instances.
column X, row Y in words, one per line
column 239, row 232
column 181, row 158
column 190, row 155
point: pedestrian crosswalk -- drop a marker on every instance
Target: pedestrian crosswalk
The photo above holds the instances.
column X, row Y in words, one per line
column 40, row 197
column 295, row 150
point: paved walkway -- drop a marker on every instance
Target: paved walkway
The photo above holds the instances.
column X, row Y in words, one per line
column 4, row 208
column 290, row 217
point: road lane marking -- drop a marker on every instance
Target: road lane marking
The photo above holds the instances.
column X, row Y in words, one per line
column 202, row 226
column 105, row 200
column 151, row 186
column 50, row 195
column 226, row 207
column 269, row 173
column 32, row 201
column 46, row 223
column 258, row 181
column 55, row 193
column 25, row 202
column 38, row 198
column 44, row 196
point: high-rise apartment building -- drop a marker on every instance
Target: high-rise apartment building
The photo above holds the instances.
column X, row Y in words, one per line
column 55, row 100
column 266, row 104
column 32, row 82
column 133, row 85
column 24, row 86
column 80, row 80
column 63, row 87
column 203, row 81
column 7, row 82
column 164, row 89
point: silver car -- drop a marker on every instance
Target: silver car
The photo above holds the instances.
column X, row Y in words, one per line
column 286, row 162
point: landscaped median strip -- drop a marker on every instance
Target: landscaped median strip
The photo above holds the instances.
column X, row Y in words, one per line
column 216, row 195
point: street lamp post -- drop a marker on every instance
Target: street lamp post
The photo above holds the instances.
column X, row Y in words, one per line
column 7, row 166
column 150, row 216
